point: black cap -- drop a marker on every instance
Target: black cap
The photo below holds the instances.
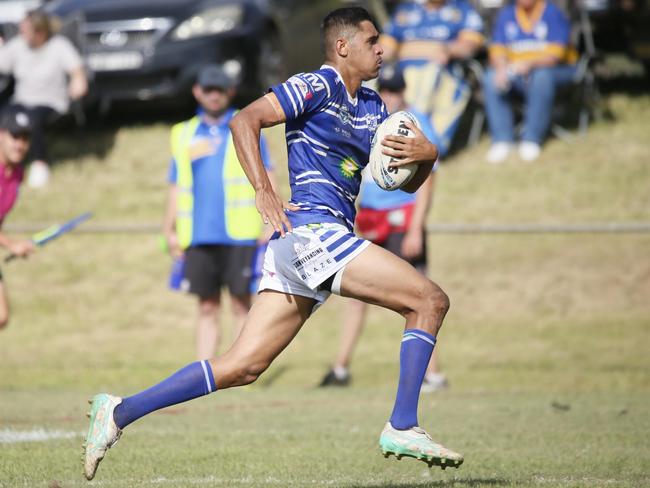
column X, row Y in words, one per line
column 391, row 78
column 214, row 76
column 16, row 121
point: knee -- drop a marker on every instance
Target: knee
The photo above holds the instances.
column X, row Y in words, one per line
column 434, row 302
column 542, row 79
column 208, row 308
column 488, row 80
column 242, row 373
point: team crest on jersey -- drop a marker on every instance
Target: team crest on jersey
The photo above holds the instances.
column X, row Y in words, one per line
column 451, row 14
column 372, row 121
column 541, row 30
column 511, row 30
column 348, row 167
column 344, row 114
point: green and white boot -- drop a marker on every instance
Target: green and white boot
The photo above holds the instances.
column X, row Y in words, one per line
column 416, row 443
column 102, row 433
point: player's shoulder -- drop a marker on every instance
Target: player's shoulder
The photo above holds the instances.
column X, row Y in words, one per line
column 321, row 80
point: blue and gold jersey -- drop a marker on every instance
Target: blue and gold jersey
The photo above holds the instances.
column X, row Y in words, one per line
column 527, row 37
column 328, row 134
column 416, row 30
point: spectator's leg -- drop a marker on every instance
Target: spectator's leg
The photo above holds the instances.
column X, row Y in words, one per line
column 540, row 94
column 208, row 331
column 39, row 173
column 498, row 109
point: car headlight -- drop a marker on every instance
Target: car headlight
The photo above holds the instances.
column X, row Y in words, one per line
column 209, row 22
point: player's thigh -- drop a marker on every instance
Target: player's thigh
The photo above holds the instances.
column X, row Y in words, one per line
column 271, row 324
column 380, row 277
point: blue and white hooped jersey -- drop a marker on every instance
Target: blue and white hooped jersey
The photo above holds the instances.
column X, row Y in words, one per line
column 328, row 143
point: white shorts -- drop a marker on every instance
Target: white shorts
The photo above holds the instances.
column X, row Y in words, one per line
column 306, row 257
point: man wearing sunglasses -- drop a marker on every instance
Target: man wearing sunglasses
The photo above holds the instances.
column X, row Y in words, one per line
column 211, row 222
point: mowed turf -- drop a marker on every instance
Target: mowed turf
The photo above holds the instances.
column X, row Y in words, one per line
column 546, row 344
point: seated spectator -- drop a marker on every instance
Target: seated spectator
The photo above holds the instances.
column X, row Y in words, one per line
column 426, row 38
column 48, row 73
column 530, row 56
column 15, row 129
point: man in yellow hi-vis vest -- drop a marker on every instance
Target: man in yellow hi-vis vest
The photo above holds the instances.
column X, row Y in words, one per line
column 211, row 221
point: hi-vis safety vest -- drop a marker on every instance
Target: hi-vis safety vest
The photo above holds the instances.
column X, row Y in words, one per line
column 243, row 222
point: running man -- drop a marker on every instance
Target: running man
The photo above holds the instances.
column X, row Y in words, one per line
column 330, row 120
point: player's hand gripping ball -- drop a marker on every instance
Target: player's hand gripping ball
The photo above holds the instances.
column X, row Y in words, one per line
column 386, row 177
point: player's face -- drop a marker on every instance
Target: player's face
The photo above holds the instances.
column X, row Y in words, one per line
column 365, row 51
column 213, row 100
column 13, row 149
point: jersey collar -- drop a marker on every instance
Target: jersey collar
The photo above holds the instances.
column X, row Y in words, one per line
column 351, row 99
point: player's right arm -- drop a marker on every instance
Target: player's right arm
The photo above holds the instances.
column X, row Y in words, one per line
column 246, row 128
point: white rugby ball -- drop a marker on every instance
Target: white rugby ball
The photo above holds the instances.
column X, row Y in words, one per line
column 391, row 178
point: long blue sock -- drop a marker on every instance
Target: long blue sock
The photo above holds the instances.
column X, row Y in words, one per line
column 193, row 381
column 414, row 357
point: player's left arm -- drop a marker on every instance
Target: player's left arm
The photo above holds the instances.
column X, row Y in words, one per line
column 246, row 128
column 412, row 150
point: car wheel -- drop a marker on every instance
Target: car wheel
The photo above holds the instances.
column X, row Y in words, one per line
column 271, row 67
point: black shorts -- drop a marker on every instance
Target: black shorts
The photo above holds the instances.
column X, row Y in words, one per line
column 394, row 244
column 208, row 268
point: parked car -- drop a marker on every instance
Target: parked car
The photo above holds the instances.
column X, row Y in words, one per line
column 153, row 49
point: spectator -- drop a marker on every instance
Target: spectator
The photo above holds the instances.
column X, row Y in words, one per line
column 15, row 130
column 396, row 221
column 211, row 219
column 427, row 37
column 529, row 56
column 48, row 73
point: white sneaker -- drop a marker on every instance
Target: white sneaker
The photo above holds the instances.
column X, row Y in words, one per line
column 529, row 151
column 39, row 174
column 434, row 382
column 498, row 152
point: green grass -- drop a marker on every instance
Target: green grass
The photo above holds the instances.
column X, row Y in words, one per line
column 546, row 344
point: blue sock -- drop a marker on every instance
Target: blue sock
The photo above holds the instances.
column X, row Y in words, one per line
column 193, row 381
column 414, row 357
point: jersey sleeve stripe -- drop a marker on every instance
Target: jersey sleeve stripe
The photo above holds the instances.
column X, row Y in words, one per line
column 290, row 97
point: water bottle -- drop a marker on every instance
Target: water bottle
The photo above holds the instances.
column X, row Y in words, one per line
column 177, row 273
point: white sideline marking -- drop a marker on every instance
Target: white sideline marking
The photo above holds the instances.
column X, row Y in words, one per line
column 11, row 436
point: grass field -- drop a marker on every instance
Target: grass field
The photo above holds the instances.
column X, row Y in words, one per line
column 546, row 345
